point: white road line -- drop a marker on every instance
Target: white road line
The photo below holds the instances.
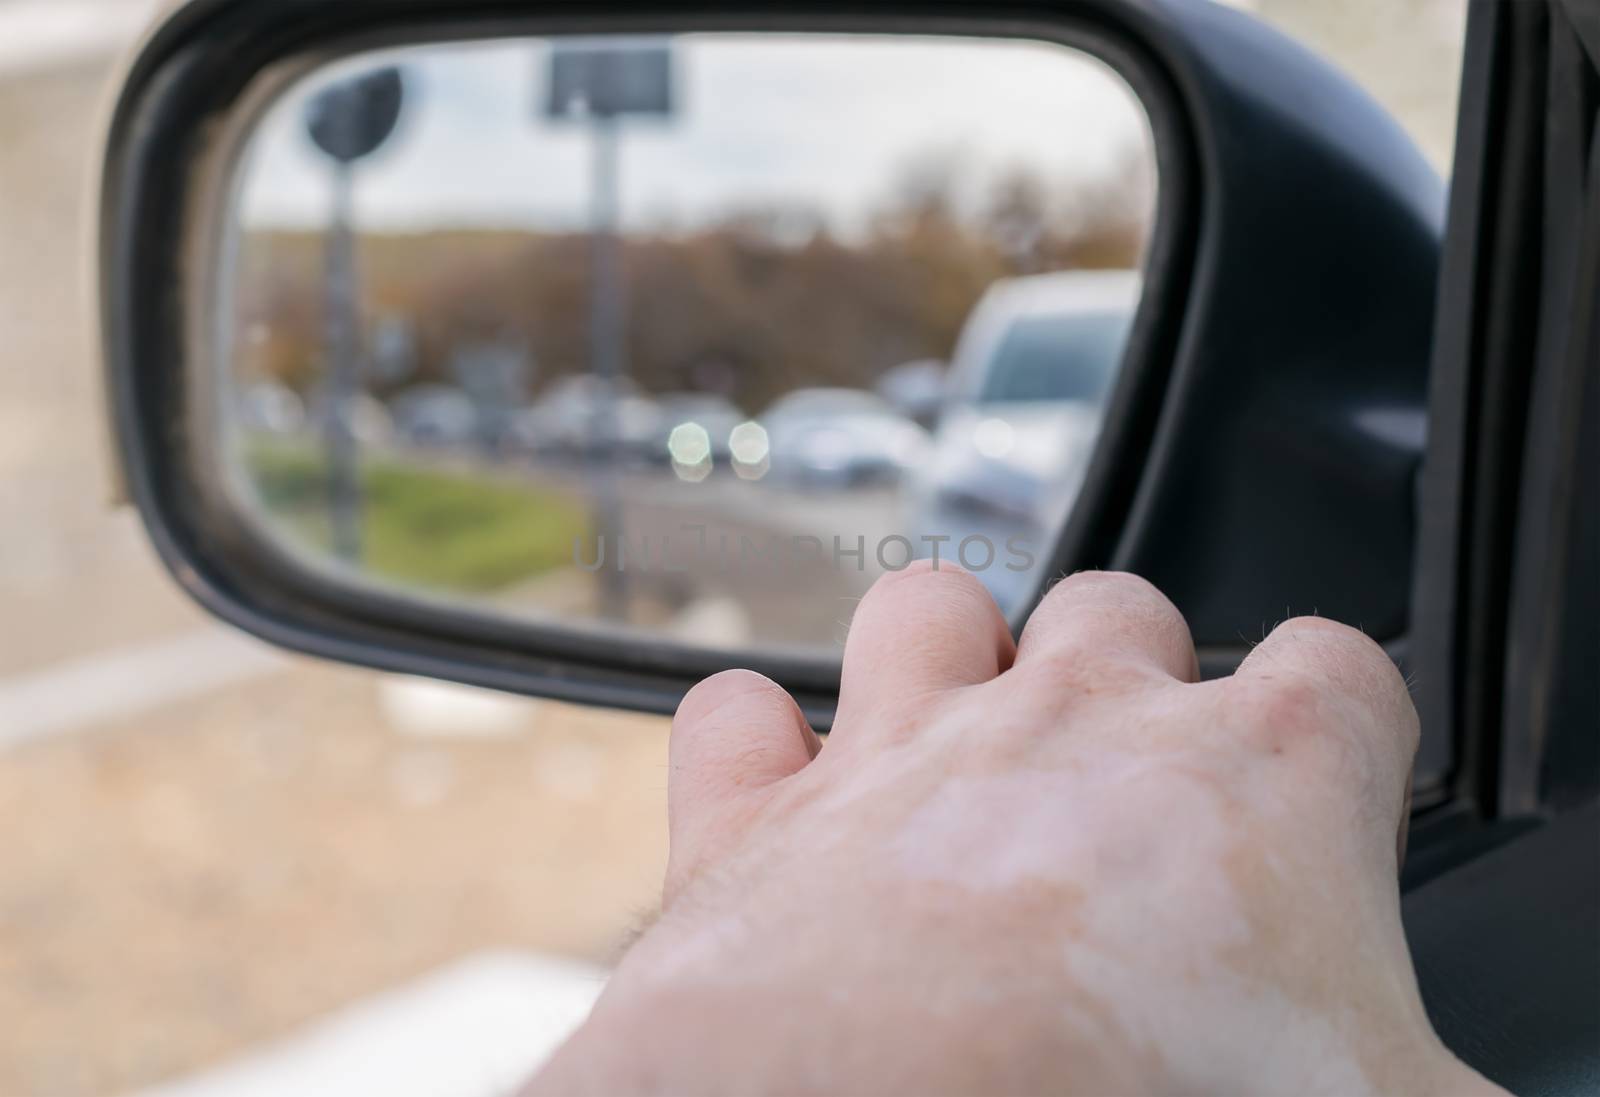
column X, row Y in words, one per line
column 478, row 1028
column 90, row 690
column 430, row 709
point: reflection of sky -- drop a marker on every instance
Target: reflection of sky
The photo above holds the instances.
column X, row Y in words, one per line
column 828, row 123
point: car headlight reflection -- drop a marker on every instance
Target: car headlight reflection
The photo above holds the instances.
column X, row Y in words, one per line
column 689, row 445
column 751, row 450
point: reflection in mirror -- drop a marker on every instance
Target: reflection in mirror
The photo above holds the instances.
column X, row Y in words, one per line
column 692, row 337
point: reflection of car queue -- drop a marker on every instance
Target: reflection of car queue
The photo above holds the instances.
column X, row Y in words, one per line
column 819, row 437
column 834, row 437
column 435, row 416
column 1026, row 389
column 578, row 418
column 366, row 417
column 270, row 408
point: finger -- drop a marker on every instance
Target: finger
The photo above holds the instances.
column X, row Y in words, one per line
column 927, row 628
column 1318, row 659
column 1324, row 679
column 1094, row 623
column 734, row 734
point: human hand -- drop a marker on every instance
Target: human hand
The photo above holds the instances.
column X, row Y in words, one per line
column 1062, row 865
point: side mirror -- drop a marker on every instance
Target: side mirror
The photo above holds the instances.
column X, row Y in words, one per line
column 587, row 352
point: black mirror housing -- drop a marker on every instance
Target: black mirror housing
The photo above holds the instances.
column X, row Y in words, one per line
column 1260, row 447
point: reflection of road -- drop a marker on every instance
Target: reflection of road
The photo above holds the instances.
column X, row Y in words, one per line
column 768, row 550
column 720, row 563
column 783, row 566
column 872, row 513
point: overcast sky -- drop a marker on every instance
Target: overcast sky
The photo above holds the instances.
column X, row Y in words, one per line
column 825, row 122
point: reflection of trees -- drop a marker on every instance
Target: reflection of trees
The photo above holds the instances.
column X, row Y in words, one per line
column 762, row 301
column 1093, row 225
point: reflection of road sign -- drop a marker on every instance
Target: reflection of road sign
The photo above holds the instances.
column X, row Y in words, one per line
column 597, row 85
column 352, row 119
column 347, row 121
column 610, row 80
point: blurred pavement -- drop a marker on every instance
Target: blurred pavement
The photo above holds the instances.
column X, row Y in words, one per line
column 207, row 842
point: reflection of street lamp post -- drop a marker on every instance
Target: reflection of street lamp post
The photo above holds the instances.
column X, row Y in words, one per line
column 598, row 85
column 347, row 122
column 607, row 307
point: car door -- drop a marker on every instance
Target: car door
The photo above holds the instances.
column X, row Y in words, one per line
column 1507, row 944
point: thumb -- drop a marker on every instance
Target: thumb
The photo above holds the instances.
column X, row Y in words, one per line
column 734, row 735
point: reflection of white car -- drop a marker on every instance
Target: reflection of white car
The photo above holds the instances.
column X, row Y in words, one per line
column 435, row 415
column 1027, row 387
column 915, row 389
column 365, row 417
column 579, row 418
column 841, row 438
column 270, row 407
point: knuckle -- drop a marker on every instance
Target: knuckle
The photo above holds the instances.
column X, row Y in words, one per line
column 1315, row 625
column 753, row 760
column 931, row 574
column 1309, row 721
column 1121, row 586
column 1353, row 665
column 1123, row 611
column 1335, row 639
column 928, row 595
column 723, row 688
column 1281, row 712
column 1134, row 601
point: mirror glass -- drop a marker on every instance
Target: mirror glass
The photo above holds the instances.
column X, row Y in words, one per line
column 688, row 336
